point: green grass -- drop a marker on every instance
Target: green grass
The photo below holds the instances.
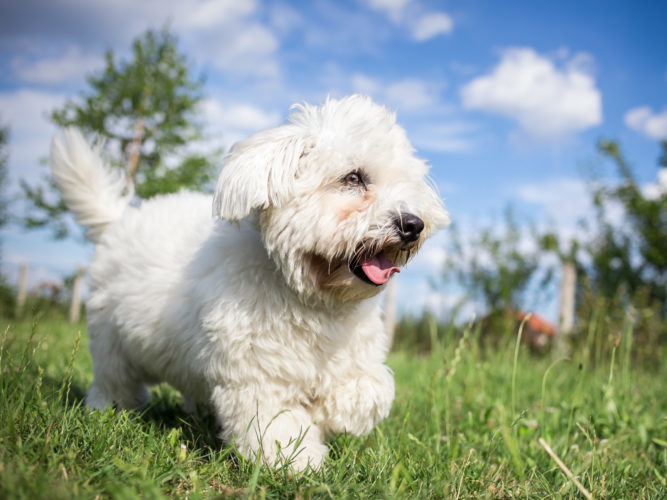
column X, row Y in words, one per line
column 465, row 424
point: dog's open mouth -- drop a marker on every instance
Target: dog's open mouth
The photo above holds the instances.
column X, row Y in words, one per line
column 374, row 269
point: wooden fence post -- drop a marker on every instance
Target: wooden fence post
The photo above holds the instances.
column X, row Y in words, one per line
column 390, row 308
column 566, row 305
column 22, row 289
column 75, row 304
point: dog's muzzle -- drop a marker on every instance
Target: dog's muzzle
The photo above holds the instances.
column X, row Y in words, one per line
column 376, row 269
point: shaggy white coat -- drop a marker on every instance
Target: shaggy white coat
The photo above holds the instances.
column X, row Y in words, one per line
column 255, row 312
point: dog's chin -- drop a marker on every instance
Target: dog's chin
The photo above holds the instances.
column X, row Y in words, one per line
column 356, row 279
column 377, row 268
column 336, row 280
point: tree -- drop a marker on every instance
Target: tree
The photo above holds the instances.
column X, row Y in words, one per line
column 145, row 109
column 622, row 262
column 492, row 267
column 4, row 156
column 632, row 256
column 6, row 292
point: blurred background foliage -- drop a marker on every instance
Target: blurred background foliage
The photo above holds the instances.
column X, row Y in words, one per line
column 146, row 112
column 621, row 268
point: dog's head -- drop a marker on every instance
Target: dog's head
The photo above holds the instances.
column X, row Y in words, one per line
column 343, row 202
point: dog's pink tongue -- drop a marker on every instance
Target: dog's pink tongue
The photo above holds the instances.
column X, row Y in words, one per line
column 379, row 269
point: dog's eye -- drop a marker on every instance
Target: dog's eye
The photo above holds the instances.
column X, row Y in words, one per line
column 354, row 179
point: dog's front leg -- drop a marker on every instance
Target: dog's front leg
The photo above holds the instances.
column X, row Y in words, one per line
column 260, row 424
column 358, row 402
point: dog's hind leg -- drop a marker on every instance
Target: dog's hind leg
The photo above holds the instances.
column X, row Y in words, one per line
column 99, row 396
column 116, row 380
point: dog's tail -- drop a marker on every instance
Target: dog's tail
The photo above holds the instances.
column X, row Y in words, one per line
column 92, row 191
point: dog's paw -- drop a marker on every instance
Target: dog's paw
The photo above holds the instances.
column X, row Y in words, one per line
column 357, row 405
column 281, row 438
column 299, row 451
column 310, row 456
column 297, row 454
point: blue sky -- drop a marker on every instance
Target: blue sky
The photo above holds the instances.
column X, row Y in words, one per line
column 505, row 99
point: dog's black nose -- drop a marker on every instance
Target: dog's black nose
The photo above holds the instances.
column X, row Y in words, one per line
column 409, row 227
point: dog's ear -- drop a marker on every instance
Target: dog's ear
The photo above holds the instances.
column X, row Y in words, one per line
column 258, row 172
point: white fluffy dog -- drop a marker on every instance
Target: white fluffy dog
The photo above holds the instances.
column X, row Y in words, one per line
column 265, row 312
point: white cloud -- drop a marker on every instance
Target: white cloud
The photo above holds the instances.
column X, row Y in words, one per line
column 656, row 189
column 48, row 260
column 548, row 102
column 285, row 18
column 26, row 111
column 464, row 69
column 564, row 200
column 250, row 50
column 414, row 97
column 644, row 121
column 392, row 8
column 431, row 25
column 444, row 137
column 365, row 84
column 209, row 14
column 71, row 65
column 431, row 258
column 411, row 15
column 411, row 94
column 238, row 120
column 228, row 33
column 563, row 204
column 559, row 205
column 408, row 94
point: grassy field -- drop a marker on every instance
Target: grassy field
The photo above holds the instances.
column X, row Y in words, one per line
column 466, row 423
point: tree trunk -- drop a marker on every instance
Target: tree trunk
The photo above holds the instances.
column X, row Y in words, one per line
column 75, row 304
column 135, row 149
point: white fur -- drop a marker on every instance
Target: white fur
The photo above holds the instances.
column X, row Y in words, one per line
column 95, row 194
column 260, row 319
